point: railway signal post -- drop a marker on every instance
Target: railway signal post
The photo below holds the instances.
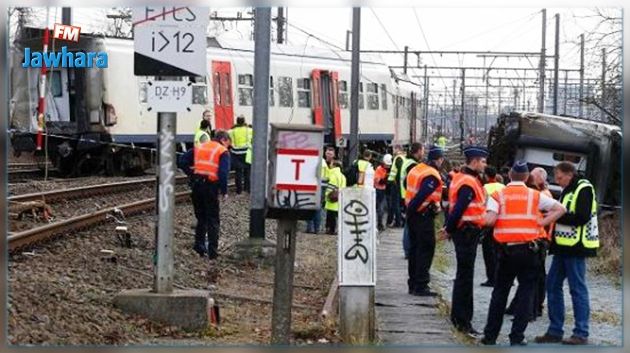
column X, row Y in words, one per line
column 294, row 193
column 158, row 52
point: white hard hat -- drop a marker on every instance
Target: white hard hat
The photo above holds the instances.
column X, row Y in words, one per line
column 387, row 159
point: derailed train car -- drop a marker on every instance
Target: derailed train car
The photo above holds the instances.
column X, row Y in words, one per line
column 95, row 120
column 545, row 140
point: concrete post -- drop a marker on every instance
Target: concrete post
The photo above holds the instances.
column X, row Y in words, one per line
column 260, row 122
column 165, row 202
column 357, row 265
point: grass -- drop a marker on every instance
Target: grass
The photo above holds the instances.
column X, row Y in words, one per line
column 608, row 259
column 441, row 262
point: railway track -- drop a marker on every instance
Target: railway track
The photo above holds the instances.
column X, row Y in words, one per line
column 23, row 239
column 23, row 174
column 39, row 234
column 87, row 191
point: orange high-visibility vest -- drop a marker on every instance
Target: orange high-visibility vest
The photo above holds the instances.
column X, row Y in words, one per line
column 476, row 210
column 517, row 219
column 415, row 178
column 380, row 174
column 207, row 157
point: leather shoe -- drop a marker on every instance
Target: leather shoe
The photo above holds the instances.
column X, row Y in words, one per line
column 547, row 338
column 200, row 249
column 521, row 343
column 424, row 293
column 575, row 340
column 487, row 342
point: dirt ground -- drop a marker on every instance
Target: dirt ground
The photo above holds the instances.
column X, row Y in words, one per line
column 61, row 293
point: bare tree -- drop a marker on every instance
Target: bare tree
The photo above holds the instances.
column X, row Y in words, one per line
column 606, row 37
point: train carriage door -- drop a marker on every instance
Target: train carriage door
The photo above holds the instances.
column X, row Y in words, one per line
column 59, row 89
column 326, row 111
column 222, row 92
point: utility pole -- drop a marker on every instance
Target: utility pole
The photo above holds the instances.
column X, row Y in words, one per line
column 475, row 110
column 487, row 96
column 556, row 61
column 566, row 95
column 280, row 25
column 353, row 141
column 524, row 98
column 461, row 113
column 581, row 103
column 543, row 58
column 454, row 109
column 405, row 62
column 425, row 111
column 604, row 96
column 66, row 15
column 499, row 104
column 262, row 34
column 444, row 113
column 515, row 98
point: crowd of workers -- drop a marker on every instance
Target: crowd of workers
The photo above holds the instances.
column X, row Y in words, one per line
column 511, row 213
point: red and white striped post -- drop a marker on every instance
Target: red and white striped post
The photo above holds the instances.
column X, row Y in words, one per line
column 42, row 92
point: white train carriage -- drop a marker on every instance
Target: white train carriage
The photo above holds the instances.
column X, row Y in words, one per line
column 96, row 113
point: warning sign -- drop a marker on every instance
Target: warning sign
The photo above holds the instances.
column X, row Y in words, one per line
column 297, row 169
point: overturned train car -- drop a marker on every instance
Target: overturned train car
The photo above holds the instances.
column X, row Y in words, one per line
column 545, row 140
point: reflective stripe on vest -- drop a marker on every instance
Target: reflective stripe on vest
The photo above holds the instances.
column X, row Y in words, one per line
column 415, row 178
column 566, row 235
column 403, row 175
column 475, row 212
column 517, row 219
column 207, row 157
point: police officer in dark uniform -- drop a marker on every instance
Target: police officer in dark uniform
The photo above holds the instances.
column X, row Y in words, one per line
column 423, row 196
column 464, row 223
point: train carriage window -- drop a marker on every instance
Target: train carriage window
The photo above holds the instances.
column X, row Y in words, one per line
column 272, row 100
column 304, row 92
column 372, row 96
column 217, row 88
column 245, row 89
column 56, row 87
column 343, row 94
column 226, row 89
column 285, row 91
column 383, row 96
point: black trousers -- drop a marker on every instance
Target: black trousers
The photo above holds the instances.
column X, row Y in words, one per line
column 421, row 250
column 206, row 205
column 331, row 221
column 513, row 262
column 394, row 213
column 241, row 172
column 489, row 254
column 538, row 296
column 381, row 206
column 465, row 241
